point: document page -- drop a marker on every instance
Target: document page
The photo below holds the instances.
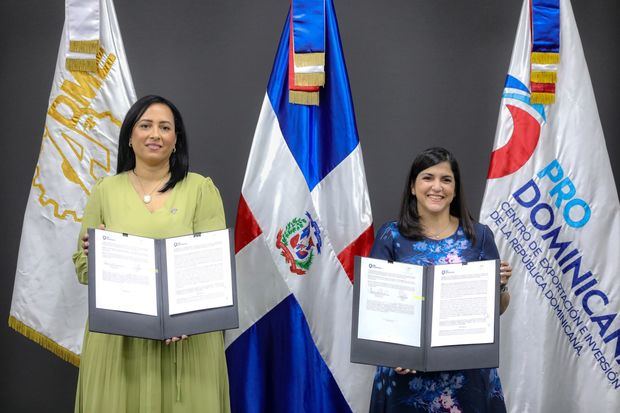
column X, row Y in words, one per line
column 390, row 307
column 199, row 273
column 463, row 304
column 125, row 273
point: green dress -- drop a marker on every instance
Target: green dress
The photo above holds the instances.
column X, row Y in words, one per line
column 124, row 374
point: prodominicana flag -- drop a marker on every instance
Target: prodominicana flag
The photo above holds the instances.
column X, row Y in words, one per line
column 304, row 213
column 86, row 107
column 552, row 202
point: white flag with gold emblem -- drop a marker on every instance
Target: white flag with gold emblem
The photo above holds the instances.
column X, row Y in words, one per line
column 79, row 146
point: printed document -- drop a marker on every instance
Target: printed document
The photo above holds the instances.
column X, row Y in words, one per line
column 125, row 273
column 390, row 306
column 199, row 273
column 463, row 304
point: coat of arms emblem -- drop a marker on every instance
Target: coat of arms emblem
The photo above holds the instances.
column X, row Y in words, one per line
column 299, row 241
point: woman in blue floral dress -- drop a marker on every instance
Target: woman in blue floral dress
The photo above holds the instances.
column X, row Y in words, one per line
column 435, row 227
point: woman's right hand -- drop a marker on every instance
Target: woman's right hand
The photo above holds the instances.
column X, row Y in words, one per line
column 85, row 240
column 402, row 371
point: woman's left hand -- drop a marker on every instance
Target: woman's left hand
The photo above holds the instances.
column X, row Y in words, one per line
column 505, row 272
column 175, row 339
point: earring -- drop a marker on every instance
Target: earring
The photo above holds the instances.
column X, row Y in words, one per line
column 130, row 144
column 174, row 149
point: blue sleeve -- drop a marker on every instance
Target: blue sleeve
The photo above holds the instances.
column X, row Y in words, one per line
column 383, row 247
column 488, row 248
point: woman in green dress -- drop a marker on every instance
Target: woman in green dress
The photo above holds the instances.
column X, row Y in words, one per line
column 152, row 195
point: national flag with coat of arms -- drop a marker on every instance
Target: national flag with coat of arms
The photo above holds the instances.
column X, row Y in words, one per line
column 91, row 92
column 552, row 202
column 304, row 213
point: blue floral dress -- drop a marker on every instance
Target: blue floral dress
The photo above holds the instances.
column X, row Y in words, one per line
column 463, row 391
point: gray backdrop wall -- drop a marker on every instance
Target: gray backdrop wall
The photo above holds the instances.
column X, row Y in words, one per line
column 422, row 72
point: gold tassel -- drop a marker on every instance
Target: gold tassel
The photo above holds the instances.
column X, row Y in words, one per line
column 44, row 342
column 309, row 59
column 545, row 58
column 310, row 79
column 542, row 98
column 81, row 65
column 84, row 46
column 300, row 97
column 544, row 77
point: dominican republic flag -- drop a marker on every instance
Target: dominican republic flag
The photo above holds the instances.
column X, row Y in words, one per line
column 552, row 202
column 303, row 215
column 91, row 92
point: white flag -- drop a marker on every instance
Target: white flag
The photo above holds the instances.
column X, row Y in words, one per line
column 552, row 203
column 79, row 146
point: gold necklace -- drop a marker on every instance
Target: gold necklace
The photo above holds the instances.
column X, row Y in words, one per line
column 147, row 198
column 436, row 235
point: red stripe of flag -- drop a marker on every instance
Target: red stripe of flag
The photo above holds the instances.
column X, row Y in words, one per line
column 361, row 246
column 246, row 227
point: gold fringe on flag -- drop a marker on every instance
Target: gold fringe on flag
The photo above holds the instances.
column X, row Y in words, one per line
column 81, row 65
column 309, row 59
column 44, row 342
column 542, row 98
column 543, row 77
column 545, row 58
column 303, row 98
column 310, row 79
column 84, row 46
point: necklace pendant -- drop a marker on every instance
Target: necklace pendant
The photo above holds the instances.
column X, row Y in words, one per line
column 146, row 199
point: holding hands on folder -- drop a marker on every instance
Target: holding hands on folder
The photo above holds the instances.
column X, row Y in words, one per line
column 505, row 272
column 175, row 339
column 400, row 370
column 85, row 240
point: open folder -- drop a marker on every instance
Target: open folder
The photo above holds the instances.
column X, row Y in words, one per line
column 161, row 288
column 426, row 318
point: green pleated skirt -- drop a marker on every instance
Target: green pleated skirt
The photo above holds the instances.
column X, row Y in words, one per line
column 130, row 375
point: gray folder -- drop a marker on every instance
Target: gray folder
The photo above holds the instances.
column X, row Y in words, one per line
column 163, row 325
column 423, row 358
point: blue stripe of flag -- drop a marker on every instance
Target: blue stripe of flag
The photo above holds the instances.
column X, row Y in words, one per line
column 274, row 367
column 318, row 137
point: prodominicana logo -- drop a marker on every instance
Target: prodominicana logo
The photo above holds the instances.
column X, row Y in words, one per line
column 527, row 120
column 542, row 222
column 298, row 241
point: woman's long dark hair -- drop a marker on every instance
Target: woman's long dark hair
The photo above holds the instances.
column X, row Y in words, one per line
column 179, row 159
column 409, row 220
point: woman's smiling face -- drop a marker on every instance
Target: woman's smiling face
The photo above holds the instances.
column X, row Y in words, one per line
column 434, row 189
column 153, row 136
